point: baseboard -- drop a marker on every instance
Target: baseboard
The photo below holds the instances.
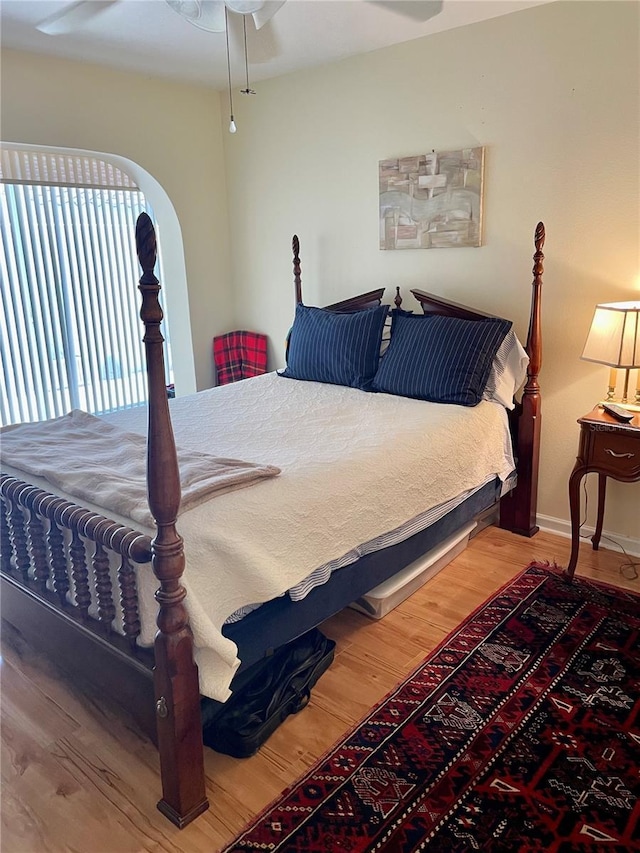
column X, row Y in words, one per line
column 612, row 541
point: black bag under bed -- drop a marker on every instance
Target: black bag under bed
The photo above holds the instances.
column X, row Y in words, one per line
column 265, row 695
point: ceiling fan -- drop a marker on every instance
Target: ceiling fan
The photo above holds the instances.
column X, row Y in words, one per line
column 210, row 14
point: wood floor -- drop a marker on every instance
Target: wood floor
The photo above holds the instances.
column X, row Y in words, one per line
column 76, row 776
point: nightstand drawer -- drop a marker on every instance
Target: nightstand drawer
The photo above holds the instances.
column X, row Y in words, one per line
column 616, row 453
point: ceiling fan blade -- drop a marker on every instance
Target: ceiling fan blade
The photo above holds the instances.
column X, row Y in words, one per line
column 73, row 17
column 266, row 12
column 418, row 10
column 204, row 14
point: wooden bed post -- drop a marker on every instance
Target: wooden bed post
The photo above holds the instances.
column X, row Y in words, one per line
column 297, row 280
column 518, row 508
column 177, row 692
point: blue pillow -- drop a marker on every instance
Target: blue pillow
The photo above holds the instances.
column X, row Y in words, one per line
column 339, row 348
column 441, row 359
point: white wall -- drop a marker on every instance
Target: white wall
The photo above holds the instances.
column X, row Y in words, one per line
column 552, row 92
column 172, row 131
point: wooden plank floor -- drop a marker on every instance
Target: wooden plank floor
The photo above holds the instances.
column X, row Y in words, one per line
column 76, row 775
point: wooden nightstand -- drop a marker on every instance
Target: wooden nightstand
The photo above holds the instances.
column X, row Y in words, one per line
column 611, row 449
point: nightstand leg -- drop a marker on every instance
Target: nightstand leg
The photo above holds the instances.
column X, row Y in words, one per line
column 602, row 492
column 574, row 509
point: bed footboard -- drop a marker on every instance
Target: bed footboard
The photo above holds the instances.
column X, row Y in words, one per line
column 66, row 570
column 46, row 549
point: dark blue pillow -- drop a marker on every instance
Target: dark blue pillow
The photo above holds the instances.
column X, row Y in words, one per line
column 441, row 359
column 339, row 348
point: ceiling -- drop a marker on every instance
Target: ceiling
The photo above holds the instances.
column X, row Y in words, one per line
column 149, row 37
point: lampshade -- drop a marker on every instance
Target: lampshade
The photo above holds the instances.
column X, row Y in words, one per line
column 614, row 336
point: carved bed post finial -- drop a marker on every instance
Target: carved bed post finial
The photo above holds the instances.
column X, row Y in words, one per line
column 534, row 336
column 518, row 508
column 146, row 246
column 175, row 675
column 297, row 280
column 397, row 301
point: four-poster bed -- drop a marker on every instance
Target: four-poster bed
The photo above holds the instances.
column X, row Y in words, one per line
column 43, row 558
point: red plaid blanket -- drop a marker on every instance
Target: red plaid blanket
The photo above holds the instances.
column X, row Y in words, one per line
column 239, row 355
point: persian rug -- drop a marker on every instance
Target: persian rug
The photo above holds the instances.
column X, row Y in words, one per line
column 520, row 732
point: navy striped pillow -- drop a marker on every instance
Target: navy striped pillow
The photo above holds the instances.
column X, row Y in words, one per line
column 339, row 348
column 441, row 359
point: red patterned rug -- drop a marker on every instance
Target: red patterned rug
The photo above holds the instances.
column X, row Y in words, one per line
column 520, row 732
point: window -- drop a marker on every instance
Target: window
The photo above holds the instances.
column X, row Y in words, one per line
column 70, row 335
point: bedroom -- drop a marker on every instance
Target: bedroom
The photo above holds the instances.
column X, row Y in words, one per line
column 562, row 140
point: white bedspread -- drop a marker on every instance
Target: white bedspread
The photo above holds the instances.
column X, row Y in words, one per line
column 354, row 465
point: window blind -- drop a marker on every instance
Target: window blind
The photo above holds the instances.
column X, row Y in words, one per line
column 70, row 336
column 35, row 166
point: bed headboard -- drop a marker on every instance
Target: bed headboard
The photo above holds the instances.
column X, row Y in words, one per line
column 432, row 304
column 518, row 508
column 354, row 303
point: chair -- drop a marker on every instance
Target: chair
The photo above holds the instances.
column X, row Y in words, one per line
column 239, row 355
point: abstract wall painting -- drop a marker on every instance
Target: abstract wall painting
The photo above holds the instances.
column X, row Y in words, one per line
column 432, row 201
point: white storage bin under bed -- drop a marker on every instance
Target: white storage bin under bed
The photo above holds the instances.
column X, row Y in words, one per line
column 387, row 595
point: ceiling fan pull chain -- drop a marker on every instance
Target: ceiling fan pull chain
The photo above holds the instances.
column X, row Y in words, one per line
column 248, row 90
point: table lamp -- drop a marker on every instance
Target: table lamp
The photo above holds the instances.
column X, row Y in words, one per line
column 614, row 339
